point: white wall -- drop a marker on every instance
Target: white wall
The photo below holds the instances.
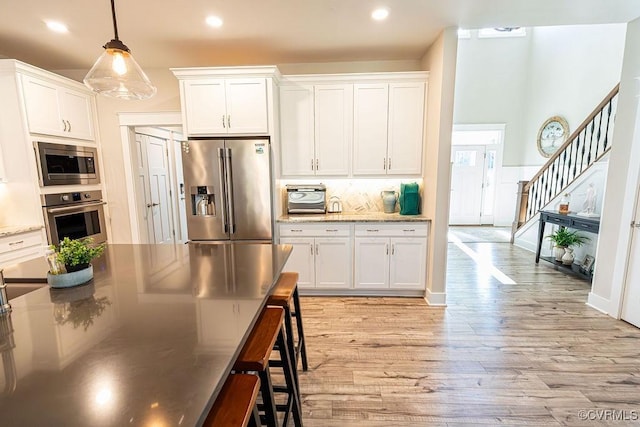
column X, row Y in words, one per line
column 623, row 179
column 440, row 61
column 523, row 81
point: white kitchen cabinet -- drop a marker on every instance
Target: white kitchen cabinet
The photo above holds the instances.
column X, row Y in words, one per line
column 322, row 255
column 333, row 128
column 21, row 247
column 388, row 128
column 297, row 141
column 215, row 106
column 57, row 110
column 390, row 256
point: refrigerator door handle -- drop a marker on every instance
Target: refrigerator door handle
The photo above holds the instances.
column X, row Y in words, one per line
column 222, row 173
column 229, row 175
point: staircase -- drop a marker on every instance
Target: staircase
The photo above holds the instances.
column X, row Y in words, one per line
column 584, row 147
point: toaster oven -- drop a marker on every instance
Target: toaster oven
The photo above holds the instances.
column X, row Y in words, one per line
column 306, row 198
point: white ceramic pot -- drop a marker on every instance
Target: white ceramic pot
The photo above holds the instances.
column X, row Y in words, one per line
column 68, row 280
column 559, row 253
column 567, row 258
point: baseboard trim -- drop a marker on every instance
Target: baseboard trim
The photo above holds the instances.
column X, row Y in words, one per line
column 436, row 299
column 598, row 303
column 360, row 293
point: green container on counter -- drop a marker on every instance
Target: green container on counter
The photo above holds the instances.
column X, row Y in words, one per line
column 409, row 198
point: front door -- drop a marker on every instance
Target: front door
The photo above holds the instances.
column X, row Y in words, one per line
column 467, row 177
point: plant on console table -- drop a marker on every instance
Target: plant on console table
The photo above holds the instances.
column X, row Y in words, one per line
column 564, row 240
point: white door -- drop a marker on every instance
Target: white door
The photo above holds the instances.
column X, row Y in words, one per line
column 301, row 260
column 631, row 304
column 246, row 106
column 296, row 131
column 467, row 173
column 76, row 110
column 406, row 120
column 372, row 263
column 160, row 186
column 333, row 262
column 333, row 128
column 204, row 107
column 408, row 262
column 181, row 190
column 370, row 113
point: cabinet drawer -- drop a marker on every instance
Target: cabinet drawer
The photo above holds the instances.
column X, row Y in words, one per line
column 566, row 222
column 592, row 228
column 408, row 229
column 320, row 230
column 20, row 255
column 20, row 241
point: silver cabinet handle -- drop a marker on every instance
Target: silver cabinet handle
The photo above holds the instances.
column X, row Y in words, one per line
column 410, row 231
column 389, row 164
column 69, row 123
column 317, row 164
column 229, row 121
column 385, row 163
column 311, row 247
column 372, row 230
column 296, row 231
column 64, row 123
column 223, row 124
column 387, row 247
column 19, row 242
column 393, row 249
column 311, row 164
column 331, row 230
column 317, row 250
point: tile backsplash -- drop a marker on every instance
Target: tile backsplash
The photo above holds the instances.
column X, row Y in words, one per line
column 360, row 195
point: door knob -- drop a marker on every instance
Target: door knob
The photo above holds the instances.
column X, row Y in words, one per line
column 150, row 205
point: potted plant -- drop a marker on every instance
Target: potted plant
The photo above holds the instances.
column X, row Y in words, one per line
column 76, row 256
column 563, row 240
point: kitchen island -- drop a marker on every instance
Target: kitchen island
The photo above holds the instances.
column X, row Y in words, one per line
column 149, row 341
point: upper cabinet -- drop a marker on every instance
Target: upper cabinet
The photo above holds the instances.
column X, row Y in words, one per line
column 53, row 109
column 388, row 128
column 352, row 124
column 227, row 100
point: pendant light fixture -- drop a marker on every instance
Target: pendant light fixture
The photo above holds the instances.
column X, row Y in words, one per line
column 116, row 74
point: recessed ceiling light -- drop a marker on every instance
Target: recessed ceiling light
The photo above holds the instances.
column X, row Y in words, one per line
column 380, row 14
column 214, row 21
column 58, row 27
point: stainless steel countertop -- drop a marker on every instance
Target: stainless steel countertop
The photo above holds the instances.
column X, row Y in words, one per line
column 352, row 217
column 149, row 341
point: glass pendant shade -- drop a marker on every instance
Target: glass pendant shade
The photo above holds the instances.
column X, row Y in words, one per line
column 116, row 74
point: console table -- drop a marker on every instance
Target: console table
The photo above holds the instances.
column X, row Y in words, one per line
column 589, row 224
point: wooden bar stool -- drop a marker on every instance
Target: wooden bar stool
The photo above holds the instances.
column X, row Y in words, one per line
column 236, row 406
column 285, row 290
column 254, row 357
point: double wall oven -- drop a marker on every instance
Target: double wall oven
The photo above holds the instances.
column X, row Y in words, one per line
column 78, row 212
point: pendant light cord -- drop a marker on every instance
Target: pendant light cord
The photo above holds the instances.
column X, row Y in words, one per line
column 115, row 24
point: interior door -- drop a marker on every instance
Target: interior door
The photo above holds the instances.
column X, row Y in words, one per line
column 631, row 304
column 160, row 191
column 467, row 177
column 181, row 190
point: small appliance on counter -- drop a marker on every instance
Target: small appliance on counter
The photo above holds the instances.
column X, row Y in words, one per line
column 306, row 198
column 335, row 205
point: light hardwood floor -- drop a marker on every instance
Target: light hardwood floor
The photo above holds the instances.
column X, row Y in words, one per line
column 530, row 353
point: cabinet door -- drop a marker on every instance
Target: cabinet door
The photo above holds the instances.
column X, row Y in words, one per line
column 370, row 110
column 43, row 108
column 296, row 131
column 406, row 124
column 247, row 106
column 204, row 107
column 333, row 262
column 372, row 263
column 408, row 262
column 76, row 111
column 333, row 128
column 301, row 260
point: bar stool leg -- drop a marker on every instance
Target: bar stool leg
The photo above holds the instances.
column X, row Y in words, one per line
column 293, row 354
column 266, row 390
column 290, row 379
column 301, row 340
column 254, row 421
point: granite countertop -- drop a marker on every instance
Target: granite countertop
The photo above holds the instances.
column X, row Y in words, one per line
column 149, row 341
column 352, row 217
column 11, row 230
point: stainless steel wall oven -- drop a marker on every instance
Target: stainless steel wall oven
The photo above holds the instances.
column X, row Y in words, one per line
column 60, row 164
column 75, row 215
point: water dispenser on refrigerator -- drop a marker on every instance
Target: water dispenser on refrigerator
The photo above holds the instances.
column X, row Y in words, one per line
column 203, row 201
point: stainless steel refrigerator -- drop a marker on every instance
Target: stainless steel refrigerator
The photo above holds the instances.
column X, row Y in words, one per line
column 228, row 183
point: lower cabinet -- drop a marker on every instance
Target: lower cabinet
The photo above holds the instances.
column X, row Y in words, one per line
column 322, row 255
column 391, row 261
column 21, row 247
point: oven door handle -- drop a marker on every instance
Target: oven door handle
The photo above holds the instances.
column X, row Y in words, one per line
column 74, row 207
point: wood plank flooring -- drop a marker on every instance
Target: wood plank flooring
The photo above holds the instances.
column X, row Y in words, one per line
column 530, row 353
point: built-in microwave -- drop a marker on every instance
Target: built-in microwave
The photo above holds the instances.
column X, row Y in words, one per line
column 60, row 164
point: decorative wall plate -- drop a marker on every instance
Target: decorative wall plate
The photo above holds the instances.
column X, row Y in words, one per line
column 552, row 134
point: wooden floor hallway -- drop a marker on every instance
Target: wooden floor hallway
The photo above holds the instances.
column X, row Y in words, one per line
column 501, row 353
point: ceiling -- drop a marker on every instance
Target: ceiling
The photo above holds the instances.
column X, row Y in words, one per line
column 170, row 33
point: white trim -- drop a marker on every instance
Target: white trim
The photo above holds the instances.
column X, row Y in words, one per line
column 128, row 121
column 598, row 303
column 361, row 292
column 395, row 77
column 214, row 72
column 436, row 299
column 481, row 126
